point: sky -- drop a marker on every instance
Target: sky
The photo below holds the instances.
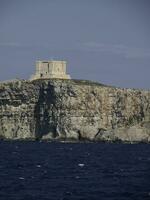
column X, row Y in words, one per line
column 102, row 40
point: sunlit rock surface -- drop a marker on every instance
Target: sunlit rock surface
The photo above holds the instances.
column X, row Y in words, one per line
column 73, row 109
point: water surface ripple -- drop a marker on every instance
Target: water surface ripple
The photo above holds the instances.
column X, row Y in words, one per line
column 74, row 171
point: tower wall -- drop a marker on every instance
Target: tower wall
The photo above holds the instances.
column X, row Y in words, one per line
column 50, row 69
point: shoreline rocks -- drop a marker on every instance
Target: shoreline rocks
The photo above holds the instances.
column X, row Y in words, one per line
column 73, row 109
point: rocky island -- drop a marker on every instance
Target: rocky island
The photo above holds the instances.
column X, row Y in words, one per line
column 65, row 109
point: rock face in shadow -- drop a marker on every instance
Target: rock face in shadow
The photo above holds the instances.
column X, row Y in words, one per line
column 73, row 109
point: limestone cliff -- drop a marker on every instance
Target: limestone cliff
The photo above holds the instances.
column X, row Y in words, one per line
column 73, row 109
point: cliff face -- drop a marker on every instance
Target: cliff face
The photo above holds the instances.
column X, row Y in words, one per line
column 71, row 109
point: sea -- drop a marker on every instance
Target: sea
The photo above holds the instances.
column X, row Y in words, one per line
column 74, row 171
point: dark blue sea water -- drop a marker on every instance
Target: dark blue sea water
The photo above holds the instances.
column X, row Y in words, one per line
column 69, row 171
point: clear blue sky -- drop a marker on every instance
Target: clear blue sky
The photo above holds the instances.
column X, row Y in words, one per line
column 102, row 40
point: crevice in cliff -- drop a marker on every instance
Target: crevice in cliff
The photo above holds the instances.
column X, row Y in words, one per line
column 79, row 135
column 45, row 122
column 100, row 132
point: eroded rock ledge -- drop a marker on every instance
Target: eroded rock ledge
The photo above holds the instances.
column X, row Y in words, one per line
column 73, row 109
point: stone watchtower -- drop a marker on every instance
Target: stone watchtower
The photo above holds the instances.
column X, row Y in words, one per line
column 50, row 69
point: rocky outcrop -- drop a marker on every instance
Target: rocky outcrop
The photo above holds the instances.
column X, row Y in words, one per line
column 73, row 109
